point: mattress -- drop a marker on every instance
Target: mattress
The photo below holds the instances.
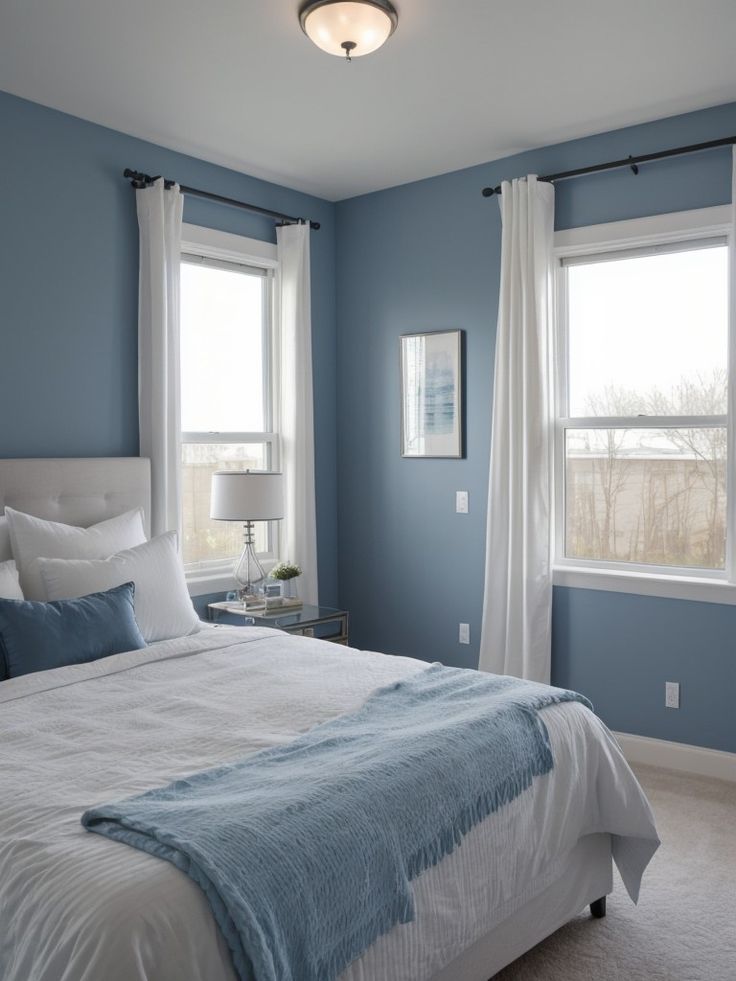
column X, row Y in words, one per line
column 79, row 907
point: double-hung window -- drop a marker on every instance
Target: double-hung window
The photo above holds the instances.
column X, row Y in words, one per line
column 228, row 389
column 642, row 426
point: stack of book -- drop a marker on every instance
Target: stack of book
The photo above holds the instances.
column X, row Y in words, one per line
column 275, row 605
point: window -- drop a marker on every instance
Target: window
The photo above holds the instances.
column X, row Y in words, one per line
column 227, row 397
column 642, row 430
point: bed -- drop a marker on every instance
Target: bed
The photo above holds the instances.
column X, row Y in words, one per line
column 79, row 907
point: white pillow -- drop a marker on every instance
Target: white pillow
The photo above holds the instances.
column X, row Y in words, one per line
column 163, row 608
column 6, row 551
column 33, row 537
column 9, row 585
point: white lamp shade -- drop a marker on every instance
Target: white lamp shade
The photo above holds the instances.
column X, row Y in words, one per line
column 366, row 25
column 246, row 495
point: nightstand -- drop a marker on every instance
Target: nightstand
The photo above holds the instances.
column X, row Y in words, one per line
column 308, row 621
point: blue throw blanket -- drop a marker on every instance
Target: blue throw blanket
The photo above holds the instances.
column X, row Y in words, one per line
column 306, row 851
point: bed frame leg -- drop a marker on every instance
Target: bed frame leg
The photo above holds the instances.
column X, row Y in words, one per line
column 598, row 908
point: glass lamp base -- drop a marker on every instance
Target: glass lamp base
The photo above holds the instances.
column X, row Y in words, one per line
column 250, row 599
column 249, row 573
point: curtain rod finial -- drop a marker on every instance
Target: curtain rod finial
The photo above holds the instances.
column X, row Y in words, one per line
column 137, row 178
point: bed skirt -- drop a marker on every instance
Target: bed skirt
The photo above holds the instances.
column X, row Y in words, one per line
column 587, row 875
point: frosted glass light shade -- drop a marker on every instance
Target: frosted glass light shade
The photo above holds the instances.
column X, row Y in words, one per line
column 352, row 27
column 246, row 495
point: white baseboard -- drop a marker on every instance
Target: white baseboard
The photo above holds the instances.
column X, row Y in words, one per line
column 678, row 756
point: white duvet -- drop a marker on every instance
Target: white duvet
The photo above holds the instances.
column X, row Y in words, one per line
column 78, row 907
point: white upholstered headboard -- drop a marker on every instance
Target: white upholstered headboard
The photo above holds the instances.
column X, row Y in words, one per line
column 75, row 491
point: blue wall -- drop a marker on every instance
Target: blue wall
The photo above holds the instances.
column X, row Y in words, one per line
column 69, row 288
column 419, row 257
column 426, row 256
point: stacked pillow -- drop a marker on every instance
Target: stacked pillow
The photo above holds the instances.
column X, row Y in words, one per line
column 9, row 583
column 6, row 552
column 163, row 608
column 58, row 565
column 33, row 537
column 38, row 636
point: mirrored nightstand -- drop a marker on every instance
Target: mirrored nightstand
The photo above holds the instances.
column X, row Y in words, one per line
column 322, row 622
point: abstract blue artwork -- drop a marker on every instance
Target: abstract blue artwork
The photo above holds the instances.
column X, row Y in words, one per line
column 431, row 394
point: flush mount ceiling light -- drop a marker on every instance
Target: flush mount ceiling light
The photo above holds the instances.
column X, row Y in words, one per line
column 348, row 27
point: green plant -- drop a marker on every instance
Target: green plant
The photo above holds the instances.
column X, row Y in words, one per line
column 286, row 570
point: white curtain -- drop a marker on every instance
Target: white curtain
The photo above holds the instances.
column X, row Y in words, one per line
column 517, row 607
column 159, row 223
column 299, row 527
column 731, row 430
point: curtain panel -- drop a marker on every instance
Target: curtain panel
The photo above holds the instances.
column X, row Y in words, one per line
column 299, row 527
column 517, row 607
column 159, row 410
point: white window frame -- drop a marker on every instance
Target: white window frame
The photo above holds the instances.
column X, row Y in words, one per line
column 212, row 246
column 712, row 586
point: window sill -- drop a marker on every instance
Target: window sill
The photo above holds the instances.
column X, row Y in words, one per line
column 200, row 582
column 695, row 588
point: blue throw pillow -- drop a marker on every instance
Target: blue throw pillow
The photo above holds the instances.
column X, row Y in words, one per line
column 38, row 636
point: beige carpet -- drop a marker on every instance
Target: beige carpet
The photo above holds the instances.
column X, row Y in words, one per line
column 684, row 928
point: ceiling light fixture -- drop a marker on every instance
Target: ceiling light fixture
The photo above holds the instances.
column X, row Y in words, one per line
column 348, row 27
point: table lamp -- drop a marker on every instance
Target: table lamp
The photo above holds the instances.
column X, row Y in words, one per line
column 247, row 496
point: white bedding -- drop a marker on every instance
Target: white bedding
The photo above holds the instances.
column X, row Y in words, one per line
column 79, row 907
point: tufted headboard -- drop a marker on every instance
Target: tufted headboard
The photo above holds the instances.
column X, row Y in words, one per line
column 75, row 491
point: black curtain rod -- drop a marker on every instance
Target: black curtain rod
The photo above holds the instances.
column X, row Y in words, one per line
column 140, row 180
column 632, row 162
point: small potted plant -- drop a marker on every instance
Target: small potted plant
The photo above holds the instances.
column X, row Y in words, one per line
column 287, row 574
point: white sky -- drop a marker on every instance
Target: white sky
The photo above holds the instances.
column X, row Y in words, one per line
column 635, row 323
column 646, row 322
column 221, row 350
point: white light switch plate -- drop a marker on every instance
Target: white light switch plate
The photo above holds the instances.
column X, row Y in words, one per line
column 672, row 694
column 464, row 633
column 461, row 502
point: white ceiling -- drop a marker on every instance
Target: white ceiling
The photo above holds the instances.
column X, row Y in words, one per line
column 460, row 82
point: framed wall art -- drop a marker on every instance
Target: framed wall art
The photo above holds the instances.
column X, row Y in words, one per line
column 431, row 394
